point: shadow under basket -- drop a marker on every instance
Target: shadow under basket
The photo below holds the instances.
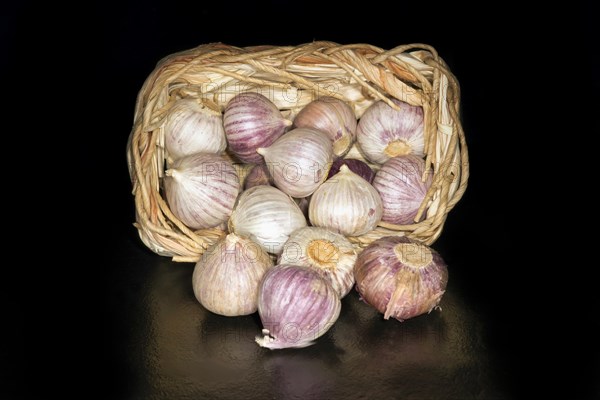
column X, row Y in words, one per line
column 291, row 77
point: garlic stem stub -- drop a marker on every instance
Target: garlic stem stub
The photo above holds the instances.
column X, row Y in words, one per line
column 296, row 306
column 346, row 203
column 330, row 253
column 333, row 117
column 251, row 121
column 226, row 278
column 400, row 184
column 267, row 216
column 201, row 189
column 384, row 133
column 299, row 161
column 400, row 277
column 191, row 128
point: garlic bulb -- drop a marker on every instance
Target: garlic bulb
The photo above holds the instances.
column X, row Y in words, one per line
column 383, row 132
column 296, row 306
column 258, row 175
column 303, row 203
column 328, row 252
column 201, row 189
column 346, row 204
column 267, row 216
column 299, row 161
column 251, row 121
column 333, row 117
column 400, row 277
column 227, row 276
column 402, row 189
column 191, row 128
column 359, row 167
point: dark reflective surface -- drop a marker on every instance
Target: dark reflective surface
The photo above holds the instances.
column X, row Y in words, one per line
column 170, row 347
column 113, row 321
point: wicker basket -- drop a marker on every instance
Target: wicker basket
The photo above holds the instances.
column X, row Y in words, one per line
column 291, row 77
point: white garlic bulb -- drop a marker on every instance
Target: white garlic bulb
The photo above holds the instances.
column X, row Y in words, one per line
column 329, row 252
column 201, row 189
column 299, row 161
column 346, row 203
column 191, row 128
column 227, row 276
column 267, row 216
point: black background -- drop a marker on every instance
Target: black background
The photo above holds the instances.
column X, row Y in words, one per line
column 520, row 71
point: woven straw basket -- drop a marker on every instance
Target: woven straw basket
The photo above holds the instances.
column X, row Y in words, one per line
column 291, row 77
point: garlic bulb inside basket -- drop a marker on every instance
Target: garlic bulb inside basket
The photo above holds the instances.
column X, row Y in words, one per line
column 383, row 132
column 333, row 117
column 251, row 121
column 267, row 216
column 346, row 204
column 201, row 189
column 359, row 167
column 191, row 128
column 400, row 184
column 299, row 161
column 258, row 175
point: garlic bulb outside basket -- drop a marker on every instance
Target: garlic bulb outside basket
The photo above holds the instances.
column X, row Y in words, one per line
column 346, row 204
column 400, row 277
column 328, row 252
column 299, row 161
column 191, row 128
column 267, row 216
column 201, row 189
column 296, row 306
column 226, row 278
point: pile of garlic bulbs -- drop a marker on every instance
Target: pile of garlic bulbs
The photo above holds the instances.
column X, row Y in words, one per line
column 286, row 254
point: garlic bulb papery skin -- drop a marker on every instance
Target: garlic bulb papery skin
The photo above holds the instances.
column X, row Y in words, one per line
column 296, row 306
column 299, row 161
column 191, row 128
column 226, row 278
column 359, row 167
column 267, row 216
column 333, row 117
column 251, row 121
column 400, row 184
column 258, row 175
column 346, row 204
column 303, row 203
column 328, row 252
column 383, row 132
column 400, row 277
column 201, row 189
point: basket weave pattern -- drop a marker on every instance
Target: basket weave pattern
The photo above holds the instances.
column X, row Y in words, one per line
column 291, row 77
